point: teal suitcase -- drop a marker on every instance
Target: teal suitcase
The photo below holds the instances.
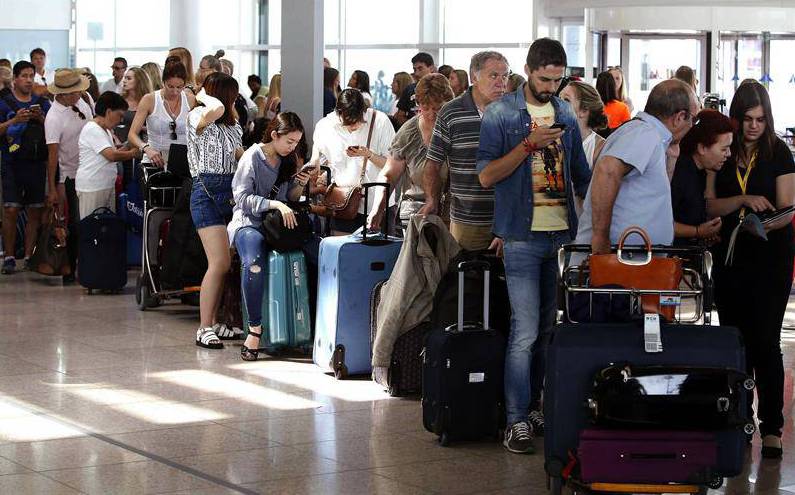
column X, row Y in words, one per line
column 286, row 316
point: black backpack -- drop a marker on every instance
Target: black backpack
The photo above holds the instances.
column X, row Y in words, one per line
column 34, row 145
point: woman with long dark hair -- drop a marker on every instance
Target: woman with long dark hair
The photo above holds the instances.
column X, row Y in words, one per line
column 274, row 162
column 331, row 89
column 361, row 81
column 752, row 287
column 214, row 146
column 616, row 110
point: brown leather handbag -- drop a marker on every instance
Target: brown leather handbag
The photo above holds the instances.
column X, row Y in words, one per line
column 343, row 202
column 49, row 255
column 650, row 273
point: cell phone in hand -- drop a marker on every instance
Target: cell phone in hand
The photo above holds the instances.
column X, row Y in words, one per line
column 35, row 108
column 558, row 125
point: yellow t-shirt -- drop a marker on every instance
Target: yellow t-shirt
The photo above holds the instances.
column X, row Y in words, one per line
column 549, row 186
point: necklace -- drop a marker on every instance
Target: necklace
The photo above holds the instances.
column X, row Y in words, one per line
column 173, row 112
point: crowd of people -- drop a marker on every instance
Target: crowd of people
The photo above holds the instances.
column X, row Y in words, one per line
column 516, row 164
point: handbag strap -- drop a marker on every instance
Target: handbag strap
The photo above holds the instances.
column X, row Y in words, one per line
column 369, row 138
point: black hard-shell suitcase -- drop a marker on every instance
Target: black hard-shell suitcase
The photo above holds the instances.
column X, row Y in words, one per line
column 462, row 373
column 576, row 353
column 404, row 377
column 102, row 258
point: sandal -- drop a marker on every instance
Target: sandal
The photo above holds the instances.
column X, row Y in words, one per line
column 206, row 337
column 247, row 354
column 225, row 333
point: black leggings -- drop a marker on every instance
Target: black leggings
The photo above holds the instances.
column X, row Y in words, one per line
column 752, row 295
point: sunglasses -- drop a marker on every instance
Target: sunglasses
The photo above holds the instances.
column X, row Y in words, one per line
column 79, row 113
column 173, row 127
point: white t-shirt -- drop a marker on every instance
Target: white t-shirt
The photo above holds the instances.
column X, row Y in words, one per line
column 43, row 80
column 111, row 85
column 95, row 172
column 62, row 127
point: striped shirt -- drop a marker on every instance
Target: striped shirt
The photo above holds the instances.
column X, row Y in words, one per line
column 212, row 151
column 455, row 139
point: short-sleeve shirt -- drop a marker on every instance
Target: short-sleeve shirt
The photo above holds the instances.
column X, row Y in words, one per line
column 95, row 172
column 7, row 112
column 213, row 150
column 687, row 194
column 549, row 187
column 62, row 127
column 644, row 196
column 408, row 146
column 761, row 182
column 617, row 113
column 455, row 138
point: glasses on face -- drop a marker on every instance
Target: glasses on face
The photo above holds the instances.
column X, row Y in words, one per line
column 116, row 67
column 173, row 127
column 79, row 113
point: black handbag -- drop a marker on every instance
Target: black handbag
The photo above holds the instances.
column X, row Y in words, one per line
column 278, row 236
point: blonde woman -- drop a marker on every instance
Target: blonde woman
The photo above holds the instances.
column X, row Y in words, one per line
column 269, row 108
column 400, row 82
column 136, row 84
column 153, row 70
column 590, row 112
column 621, row 86
column 180, row 54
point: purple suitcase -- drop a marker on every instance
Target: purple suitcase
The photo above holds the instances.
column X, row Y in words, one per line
column 643, row 456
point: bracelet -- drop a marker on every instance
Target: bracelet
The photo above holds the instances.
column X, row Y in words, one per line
column 143, row 148
column 528, row 146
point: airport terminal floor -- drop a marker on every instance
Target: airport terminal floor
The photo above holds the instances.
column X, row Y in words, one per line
column 98, row 397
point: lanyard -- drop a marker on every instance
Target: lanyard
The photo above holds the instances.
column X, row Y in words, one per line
column 743, row 179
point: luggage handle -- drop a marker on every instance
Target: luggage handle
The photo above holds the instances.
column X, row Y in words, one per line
column 464, row 267
column 385, row 222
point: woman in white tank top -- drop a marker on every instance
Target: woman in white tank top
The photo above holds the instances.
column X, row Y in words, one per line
column 166, row 115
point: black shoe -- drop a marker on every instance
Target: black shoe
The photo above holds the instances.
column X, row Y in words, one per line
column 772, row 451
column 519, row 438
column 247, row 354
column 536, row 419
column 68, row 279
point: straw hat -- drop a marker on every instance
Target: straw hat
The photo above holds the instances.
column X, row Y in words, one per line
column 68, row 81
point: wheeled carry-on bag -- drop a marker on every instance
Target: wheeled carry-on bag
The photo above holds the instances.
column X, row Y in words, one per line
column 641, row 456
column 350, row 267
column 285, row 309
column 577, row 352
column 462, row 373
column 404, row 376
column 102, row 258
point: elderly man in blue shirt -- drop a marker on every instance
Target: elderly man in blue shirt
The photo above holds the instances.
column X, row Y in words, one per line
column 630, row 181
column 531, row 153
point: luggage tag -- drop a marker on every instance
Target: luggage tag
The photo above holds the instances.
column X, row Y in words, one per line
column 652, row 338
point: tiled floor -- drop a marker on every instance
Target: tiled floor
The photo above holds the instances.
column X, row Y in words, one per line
column 98, row 397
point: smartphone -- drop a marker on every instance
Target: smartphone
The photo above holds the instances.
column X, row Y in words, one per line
column 558, row 125
column 353, row 148
column 35, row 108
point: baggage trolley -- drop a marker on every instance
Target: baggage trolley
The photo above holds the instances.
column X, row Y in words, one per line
column 693, row 301
column 161, row 189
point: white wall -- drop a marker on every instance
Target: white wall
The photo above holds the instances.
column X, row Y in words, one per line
column 35, row 14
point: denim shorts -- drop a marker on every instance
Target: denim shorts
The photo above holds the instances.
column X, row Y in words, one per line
column 211, row 200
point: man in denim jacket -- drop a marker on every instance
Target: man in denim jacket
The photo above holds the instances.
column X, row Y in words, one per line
column 536, row 169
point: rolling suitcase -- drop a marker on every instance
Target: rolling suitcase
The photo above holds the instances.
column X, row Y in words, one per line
column 462, row 373
column 102, row 258
column 349, row 268
column 576, row 353
column 641, row 456
column 285, row 311
column 404, row 376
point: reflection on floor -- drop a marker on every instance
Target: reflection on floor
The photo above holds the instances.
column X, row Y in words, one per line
column 98, row 397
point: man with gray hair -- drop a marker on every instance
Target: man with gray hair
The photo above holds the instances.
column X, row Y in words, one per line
column 630, row 184
column 455, row 140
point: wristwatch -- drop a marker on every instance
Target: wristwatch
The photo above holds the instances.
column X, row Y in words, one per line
column 143, row 148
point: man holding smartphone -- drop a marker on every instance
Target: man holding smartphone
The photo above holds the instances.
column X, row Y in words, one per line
column 531, row 153
column 24, row 160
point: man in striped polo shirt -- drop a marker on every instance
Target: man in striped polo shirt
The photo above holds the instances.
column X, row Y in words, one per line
column 455, row 140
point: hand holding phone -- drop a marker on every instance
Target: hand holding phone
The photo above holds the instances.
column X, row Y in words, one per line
column 35, row 108
column 558, row 125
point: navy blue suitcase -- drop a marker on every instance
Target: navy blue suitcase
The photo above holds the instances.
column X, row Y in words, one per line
column 102, row 258
column 577, row 352
column 349, row 269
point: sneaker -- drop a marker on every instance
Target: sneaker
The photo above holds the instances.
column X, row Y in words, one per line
column 9, row 266
column 26, row 265
column 536, row 419
column 519, row 438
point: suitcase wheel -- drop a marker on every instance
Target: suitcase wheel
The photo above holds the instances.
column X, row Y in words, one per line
column 444, row 440
column 749, row 428
column 749, row 384
column 715, row 483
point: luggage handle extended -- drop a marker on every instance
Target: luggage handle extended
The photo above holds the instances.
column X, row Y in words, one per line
column 385, row 222
column 464, row 267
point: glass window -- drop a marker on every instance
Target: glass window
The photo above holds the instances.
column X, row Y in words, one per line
column 460, row 58
column 331, row 22
column 574, row 43
column 740, row 58
column 613, row 51
column 15, row 44
column 782, row 83
column 654, row 60
column 380, row 65
column 381, row 21
column 503, row 21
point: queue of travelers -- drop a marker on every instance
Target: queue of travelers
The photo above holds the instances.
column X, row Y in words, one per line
column 517, row 165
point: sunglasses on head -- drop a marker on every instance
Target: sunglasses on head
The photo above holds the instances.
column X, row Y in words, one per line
column 173, row 127
column 79, row 113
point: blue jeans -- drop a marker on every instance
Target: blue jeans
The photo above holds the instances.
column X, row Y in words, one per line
column 531, row 272
column 253, row 250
